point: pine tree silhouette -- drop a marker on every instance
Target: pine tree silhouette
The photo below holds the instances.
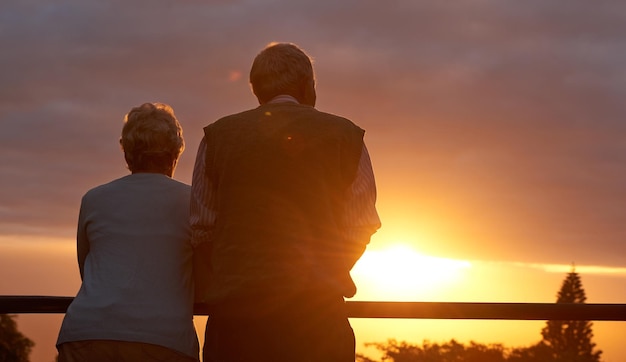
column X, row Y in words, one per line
column 571, row 341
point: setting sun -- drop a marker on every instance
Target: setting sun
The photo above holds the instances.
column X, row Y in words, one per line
column 401, row 273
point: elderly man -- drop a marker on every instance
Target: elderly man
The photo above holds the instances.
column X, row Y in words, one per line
column 283, row 205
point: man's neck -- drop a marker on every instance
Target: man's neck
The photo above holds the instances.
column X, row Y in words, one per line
column 283, row 98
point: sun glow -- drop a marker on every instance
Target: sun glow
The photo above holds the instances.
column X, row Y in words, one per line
column 401, row 273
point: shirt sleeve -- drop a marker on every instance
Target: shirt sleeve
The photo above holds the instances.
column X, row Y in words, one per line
column 82, row 242
column 361, row 218
column 202, row 209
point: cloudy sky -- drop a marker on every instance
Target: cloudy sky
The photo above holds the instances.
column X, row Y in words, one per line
column 497, row 129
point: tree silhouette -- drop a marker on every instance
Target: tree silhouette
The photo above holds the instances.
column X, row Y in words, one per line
column 14, row 346
column 563, row 341
column 539, row 352
column 451, row 351
column 570, row 341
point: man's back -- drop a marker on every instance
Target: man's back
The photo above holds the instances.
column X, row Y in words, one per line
column 281, row 174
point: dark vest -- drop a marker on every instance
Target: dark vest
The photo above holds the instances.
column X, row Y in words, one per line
column 280, row 174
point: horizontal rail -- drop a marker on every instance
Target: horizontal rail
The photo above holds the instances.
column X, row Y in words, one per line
column 17, row 304
column 510, row 311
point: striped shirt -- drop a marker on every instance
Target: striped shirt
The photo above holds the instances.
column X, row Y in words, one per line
column 360, row 215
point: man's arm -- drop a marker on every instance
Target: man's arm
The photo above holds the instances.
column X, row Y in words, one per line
column 202, row 219
column 360, row 217
column 202, row 212
column 360, row 221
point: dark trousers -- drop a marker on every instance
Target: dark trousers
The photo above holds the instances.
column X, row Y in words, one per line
column 315, row 330
column 118, row 351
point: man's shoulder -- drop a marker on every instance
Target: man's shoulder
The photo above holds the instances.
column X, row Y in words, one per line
column 334, row 117
column 331, row 119
column 299, row 111
column 335, row 121
column 235, row 117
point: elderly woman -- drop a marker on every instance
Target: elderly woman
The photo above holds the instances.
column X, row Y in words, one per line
column 134, row 254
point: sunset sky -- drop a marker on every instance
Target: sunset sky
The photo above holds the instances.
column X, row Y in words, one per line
column 497, row 132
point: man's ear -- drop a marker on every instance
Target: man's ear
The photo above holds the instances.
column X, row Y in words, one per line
column 309, row 96
column 256, row 95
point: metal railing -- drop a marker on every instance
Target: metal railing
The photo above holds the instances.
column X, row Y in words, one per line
column 19, row 304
